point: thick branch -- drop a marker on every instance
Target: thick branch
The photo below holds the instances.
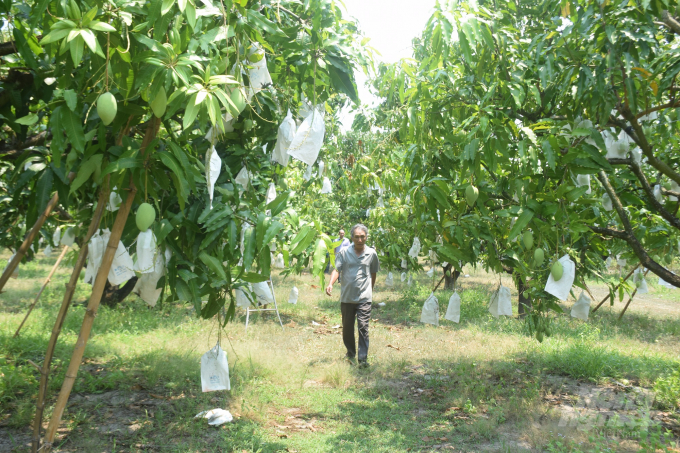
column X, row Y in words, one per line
column 13, row 150
column 7, row 48
column 610, row 232
column 670, row 22
column 630, row 238
column 670, row 218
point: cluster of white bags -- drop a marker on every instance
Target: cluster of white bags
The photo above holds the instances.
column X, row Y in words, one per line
column 121, row 267
column 561, row 288
column 500, row 304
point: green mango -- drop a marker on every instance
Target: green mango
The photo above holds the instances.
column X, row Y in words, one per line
column 539, row 256
column 556, row 271
column 471, row 195
column 107, row 107
column 146, row 215
column 159, row 103
column 528, row 239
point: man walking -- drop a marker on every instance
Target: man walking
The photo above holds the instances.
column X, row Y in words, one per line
column 357, row 266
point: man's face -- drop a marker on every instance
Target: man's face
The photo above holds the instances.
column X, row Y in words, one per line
column 359, row 237
column 342, row 234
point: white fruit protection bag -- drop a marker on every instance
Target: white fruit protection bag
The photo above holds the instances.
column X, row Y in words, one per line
column 68, row 238
column 121, row 267
column 56, row 237
column 581, row 308
column 453, row 310
column 326, row 187
column 243, row 178
column 284, row 138
column 48, row 251
column 263, row 293
column 271, row 193
column 430, row 313
column 293, row 296
column 561, row 288
column 147, row 283
column 278, row 262
column 607, row 202
column 215, row 370
column 146, row 252
column 241, row 298
column 403, row 276
column 415, row 249
column 500, row 303
column 389, row 281
column 640, row 281
column 95, row 252
column 114, row 201
column 309, row 137
column 404, row 263
column 212, row 171
column 430, row 273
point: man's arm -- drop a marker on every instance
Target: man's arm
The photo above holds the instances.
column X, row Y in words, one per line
column 373, row 275
column 334, row 277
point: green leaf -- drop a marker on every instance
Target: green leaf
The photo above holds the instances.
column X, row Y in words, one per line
column 265, row 262
column 304, row 243
column 279, row 203
column 252, row 277
column 44, row 189
column 101, row 26
column 521, row 223
column 74, row 129
column 54, row 35
column 190, row 112
column 342, row 82
column 167, row 6
column 71, row 99
column 249, row 252
column 213, row 264
column 28, row 120
column 85, row 171
column 549, row 154
column 272, row 230
column 76, row 46
column 319, row 257
column 162, row 229
column 180, row 179
column 122, row 163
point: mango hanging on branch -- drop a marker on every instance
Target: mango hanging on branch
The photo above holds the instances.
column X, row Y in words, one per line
column 539, row 256
column 471, row 195
column 146, row 215
column 528, row 239
column 107, row 107
column 159, row 103
column 556, row 271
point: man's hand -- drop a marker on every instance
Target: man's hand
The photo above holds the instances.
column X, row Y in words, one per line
column 329, row 288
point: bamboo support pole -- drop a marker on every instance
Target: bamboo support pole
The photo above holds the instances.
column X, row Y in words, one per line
column 12, row 265
column 617, row 287
column 95, row 298
column 630, row 299
column 61, row 316
column 47, row 282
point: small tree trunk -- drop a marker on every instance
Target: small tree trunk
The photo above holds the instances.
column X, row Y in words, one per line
column 525, row 304
column 113, row 295
column 450, row 277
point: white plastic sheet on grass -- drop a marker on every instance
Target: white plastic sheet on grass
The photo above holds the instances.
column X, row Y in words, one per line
column 499, row 303
column 453, row 310
column 216, row 417
column 561, row 288
column 581, row 308
column 430, row 313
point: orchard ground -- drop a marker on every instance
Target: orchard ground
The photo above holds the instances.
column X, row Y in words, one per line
column 481, row 385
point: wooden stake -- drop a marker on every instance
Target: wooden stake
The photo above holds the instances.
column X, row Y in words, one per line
column 47, row 282
column 617, row 287
column 61, row 316
column 30, row 238
column 630, row 299
column 95, row 298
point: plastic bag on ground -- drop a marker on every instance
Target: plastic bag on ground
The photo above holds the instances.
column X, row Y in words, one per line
column 561, row 288
column 212, row 171
column 241, row 298
column 278, row 262
column 403, row 276
column 326, row 187
column 216, row 417
column 263, row 293
column 309, row 137
column 293, row 296
column 215, row 370
column 146, row 285
column 430, row 313
column 284, row 138
column 122, row 267
column 48, row 251
column 581, row 308
column 500, row 304
column 640, row 281
column 56, row 237
column 146, row 251
column 453, row 310
column 415, row 249
column 15, row 274
column 68, row 238
column 114, row 201
column 607, row 202
column 389, row 281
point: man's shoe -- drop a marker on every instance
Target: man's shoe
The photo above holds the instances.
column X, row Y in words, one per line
column 363, row 364
column 351, row 359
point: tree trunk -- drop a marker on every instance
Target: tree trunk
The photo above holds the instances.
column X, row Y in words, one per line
column 524, row 306
column 450, row 277
column 113, row 295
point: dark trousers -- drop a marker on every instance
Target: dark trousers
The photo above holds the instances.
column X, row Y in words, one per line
column 362, row 313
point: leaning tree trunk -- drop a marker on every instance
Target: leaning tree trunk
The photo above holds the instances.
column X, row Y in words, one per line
column 450, row 277
column 525, row 304
column 113, row 295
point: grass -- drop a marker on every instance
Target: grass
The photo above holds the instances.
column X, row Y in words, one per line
column 477, row 385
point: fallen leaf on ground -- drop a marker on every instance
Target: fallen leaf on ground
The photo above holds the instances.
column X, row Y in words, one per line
column 281, row 434
column 314, row 286
column 394, row 347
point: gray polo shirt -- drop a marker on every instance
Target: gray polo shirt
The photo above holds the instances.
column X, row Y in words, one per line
column 355, row 274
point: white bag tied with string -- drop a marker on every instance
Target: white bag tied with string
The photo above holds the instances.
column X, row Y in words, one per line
column 620, row 261
column 243, row 178
column 657, row 193
column 147, row 283
column 665, row 284
column 607, row 202
column 227, row 126
column 675, row 187
column 212, row 171
column 48, row 251
column 608, row 262
column 146, row 250
column 258, row 72
column 430, row 313
column 410, row 280
column 640, row 281
column 430, row 273
column 278, row 262
column 241, row 298
column 308, row 173
column 284, row 138
column 433, row 256
column 271, row 193
column 56, row 237
column 581, row 308
column 121, row 267
column 561, row 288
column 583, row 180
column 404, row 263
column 293, row 296
column 263, row 293
column 309, row 137
column 389, row 281
column 215, row 370
column 114, row 200
column 68, row 238
column 499, row 303
column 403, row 276
column 322, row 166
column 15, row 274
column 453, row 310
column 380, row 203
column 95, row 252
column 415, row 249
column 326, row 187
